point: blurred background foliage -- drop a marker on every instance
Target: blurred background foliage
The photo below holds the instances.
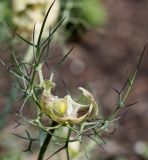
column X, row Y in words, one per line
column 5, row 17
column 79, row 15
column 111, row 34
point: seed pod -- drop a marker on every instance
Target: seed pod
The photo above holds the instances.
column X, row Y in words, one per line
column 66, row 110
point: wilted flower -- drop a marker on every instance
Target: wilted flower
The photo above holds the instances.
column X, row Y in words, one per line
column 67, row 110
column 32, row 12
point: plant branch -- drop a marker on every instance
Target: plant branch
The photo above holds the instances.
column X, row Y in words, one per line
column 46, row 143
column 64, row 147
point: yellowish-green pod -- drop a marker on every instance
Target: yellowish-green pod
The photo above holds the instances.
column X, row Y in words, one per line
column 66, row 110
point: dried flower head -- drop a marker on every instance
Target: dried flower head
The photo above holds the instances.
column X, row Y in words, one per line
column 68, row 110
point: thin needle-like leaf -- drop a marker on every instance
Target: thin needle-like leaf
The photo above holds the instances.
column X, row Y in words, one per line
column 22, row 38
column 62, row 60
column 43, row 24
column 33, row 37
column 51, row 34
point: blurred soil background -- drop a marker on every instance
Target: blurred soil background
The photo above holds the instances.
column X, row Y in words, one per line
column 99, row 62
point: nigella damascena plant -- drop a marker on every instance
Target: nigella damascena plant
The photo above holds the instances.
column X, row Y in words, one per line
column 80, row 117
column 68, row 110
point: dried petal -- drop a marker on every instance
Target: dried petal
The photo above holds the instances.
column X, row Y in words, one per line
column 67, row 110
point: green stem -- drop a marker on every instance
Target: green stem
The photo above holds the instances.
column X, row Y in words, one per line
column 46, row 143
column 130, row 87
column 66, row 145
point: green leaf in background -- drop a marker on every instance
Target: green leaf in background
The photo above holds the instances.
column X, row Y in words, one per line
column 82, row 15
column 93, row 12
column 5, row 17
column 5, row 10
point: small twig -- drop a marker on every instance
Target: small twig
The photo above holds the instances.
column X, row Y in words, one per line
column 19, row 124
column 29, row 138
